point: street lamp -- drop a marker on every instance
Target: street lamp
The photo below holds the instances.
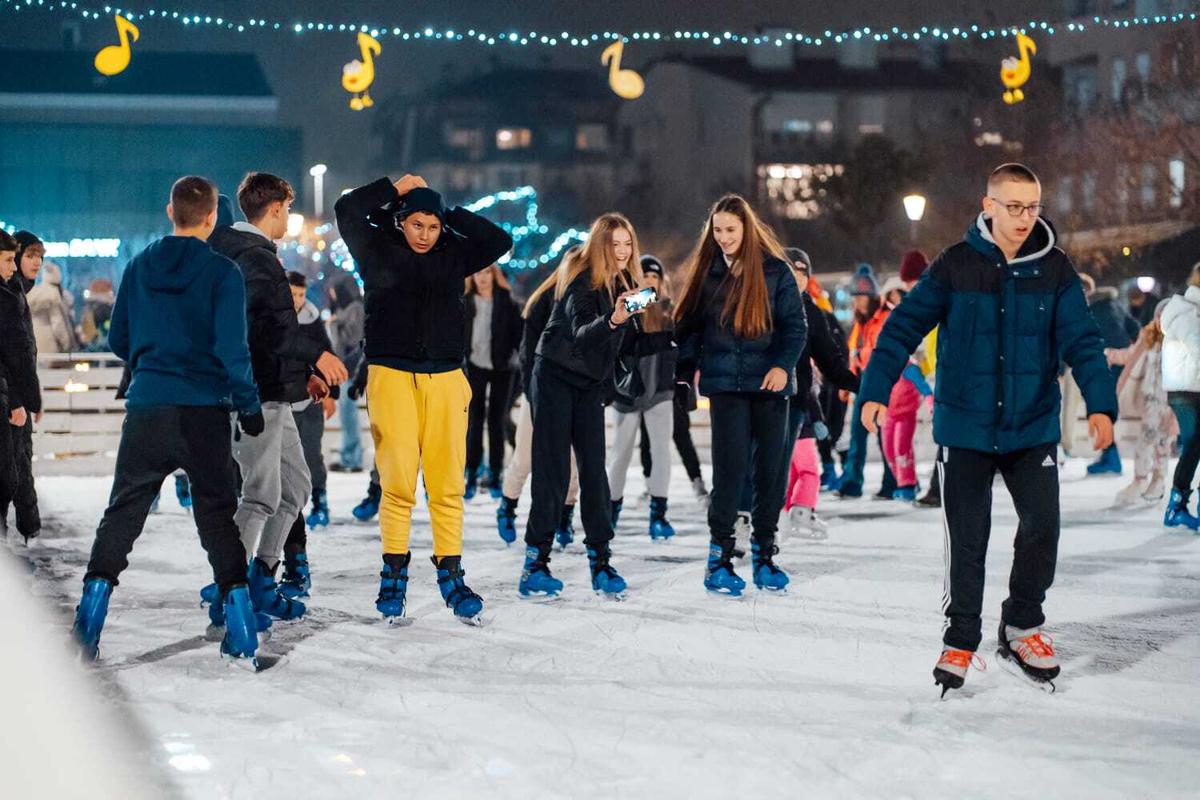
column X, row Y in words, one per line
column 317, row 171
column 914, row 208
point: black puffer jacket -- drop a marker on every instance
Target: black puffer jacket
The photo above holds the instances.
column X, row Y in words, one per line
column 506, row 327
column 579, row 340
column 822, row 347
column 281, row 358
column 728, row 362
column 18, row 351
column 414, row 301
column 534, row 323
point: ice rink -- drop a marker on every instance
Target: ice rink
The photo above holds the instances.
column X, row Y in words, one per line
column 825, row 692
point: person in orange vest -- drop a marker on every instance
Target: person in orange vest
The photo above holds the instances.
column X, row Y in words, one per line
column 870, row 313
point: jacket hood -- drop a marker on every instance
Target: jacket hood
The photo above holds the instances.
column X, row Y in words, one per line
column 1039, row 244
column 175, row 262
column 233, row 241
column 309, row 313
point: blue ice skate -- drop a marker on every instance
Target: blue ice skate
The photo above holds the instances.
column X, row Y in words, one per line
column 90, row 615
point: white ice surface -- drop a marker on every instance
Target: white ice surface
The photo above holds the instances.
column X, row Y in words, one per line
column 825, row 692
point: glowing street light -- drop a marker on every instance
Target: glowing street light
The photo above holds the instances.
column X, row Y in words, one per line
column 914, row 208
column 295, row 225
column 317, row 171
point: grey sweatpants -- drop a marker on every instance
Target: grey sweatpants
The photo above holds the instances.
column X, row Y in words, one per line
column 660, row 420
column 275, row 482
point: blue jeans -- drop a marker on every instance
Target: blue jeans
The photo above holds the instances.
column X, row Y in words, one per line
column 351, row 434
column 856, row 460
column 1187, row 410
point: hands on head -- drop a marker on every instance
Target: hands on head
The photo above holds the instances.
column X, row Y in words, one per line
column 408, row 183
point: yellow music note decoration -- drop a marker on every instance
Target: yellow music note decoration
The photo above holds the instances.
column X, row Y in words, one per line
column 624, row 82
column 1015, row 72
column 113, row 59
column 357, row 76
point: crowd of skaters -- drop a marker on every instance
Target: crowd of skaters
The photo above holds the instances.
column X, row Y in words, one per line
column 237, row 395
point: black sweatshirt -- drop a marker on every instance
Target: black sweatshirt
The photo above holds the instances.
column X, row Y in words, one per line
column 414, row 301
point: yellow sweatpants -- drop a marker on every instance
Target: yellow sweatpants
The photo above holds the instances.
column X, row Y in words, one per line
column 419, row 423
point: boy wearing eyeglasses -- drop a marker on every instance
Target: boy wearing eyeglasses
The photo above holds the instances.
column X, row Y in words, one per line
column 1009, row 306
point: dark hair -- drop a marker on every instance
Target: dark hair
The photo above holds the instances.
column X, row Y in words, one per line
column 7, row 242
column 258, row 190
column 192, row 199
column 1012, row 172
column 297, row 279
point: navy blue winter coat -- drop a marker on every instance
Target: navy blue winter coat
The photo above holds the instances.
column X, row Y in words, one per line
column 1004, row 327
column 180, row 325
column 729, row 363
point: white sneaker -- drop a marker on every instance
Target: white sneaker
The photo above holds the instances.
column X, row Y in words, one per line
column 805, row 523
column 741, row 532
column 1131, row 493
column 1157, row 488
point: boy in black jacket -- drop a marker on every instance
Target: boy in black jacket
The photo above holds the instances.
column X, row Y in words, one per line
column 18, row 371
column 29, row 263
column 413, row 256
column 275, row 478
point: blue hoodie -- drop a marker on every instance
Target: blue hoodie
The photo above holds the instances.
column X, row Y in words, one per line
column 180, row 324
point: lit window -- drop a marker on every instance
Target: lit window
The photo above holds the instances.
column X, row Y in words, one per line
column 1175, row 168
column 1149, row 185
column 513, row 138
column 795, row 191
column 867, row 129
column 798, row 126
column 1118, row 77
column 825, row 126
column 591, row 138
column 1143, row 66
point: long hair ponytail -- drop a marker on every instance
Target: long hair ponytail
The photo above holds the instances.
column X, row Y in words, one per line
column 748, row 308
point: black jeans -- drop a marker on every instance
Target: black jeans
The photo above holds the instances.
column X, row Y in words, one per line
column 1186, row 406
column 1032, row 479
column 491, row 392
column 24, row 494
column 745, row 428
column 297, row 540
column 8, row 459
column 311, row 424
column 154, row 443
column 797, row 416
column 682, row 434
column 566, row 416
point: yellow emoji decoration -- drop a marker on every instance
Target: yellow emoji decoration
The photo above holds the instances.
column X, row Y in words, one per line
column 625, row 82
column 1014, row 72
column 114, row 59
column 357, row 76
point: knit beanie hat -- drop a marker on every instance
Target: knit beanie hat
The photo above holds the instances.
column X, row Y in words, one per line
column 912, row 266
column 26, row 240
column 422, row 199
column 864, row 284
column 651, row 264
column 795, row 254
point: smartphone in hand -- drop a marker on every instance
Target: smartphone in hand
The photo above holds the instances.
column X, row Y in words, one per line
column 639, row 300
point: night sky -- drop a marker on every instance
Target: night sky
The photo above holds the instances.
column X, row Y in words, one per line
column 305, row 71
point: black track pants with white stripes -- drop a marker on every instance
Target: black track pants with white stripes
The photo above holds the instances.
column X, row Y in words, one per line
column 1032, row 479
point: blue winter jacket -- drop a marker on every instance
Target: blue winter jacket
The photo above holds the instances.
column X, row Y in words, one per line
column 1004, row 327
column 180, row 324
column 727, row 362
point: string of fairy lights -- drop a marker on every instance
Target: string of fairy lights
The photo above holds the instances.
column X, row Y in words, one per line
column 778, row 37
column 526, row 235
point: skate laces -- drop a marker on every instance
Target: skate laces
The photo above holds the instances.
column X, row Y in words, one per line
column 1040, row 645
column 765, row 558
column 963, row 659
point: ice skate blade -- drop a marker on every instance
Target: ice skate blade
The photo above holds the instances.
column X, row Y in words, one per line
column 241, row 662
column 1009, row 664
column 539, row 597
column 397, row 622
column 725, row 594
column 471, row 622
column 766, row 591
column 616, row 597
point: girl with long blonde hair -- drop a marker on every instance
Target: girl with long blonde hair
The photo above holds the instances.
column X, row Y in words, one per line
column 740, row 321
column 572, row 373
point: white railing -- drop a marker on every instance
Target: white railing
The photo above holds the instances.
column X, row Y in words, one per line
column 81, row 426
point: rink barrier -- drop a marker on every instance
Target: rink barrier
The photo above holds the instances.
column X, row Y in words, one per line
column 81, row 425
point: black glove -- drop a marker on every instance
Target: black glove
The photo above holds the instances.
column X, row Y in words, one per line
column 354, row 392
column 252, row 424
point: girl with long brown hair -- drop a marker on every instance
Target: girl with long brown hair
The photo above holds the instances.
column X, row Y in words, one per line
column 573, row 370
column 740, row 321
column 492, row 334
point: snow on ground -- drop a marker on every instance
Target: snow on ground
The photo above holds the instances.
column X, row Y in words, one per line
column 825, row 692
